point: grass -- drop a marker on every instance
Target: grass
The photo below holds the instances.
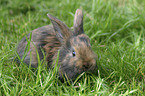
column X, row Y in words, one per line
column 117, row 32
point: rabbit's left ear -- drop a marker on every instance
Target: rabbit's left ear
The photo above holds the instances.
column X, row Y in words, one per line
column 60, row 28
column 78, row 22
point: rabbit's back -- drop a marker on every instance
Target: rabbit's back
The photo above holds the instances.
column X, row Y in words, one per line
column 43, row 39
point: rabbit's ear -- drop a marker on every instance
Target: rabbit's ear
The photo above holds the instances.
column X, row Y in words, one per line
column 78, row 22
column 62, row 30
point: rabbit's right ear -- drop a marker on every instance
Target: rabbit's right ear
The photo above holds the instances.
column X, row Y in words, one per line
column 78, row 22
column 62, row 30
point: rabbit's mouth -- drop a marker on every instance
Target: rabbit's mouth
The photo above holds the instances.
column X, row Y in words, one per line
column 86, row 65
column 89, row 68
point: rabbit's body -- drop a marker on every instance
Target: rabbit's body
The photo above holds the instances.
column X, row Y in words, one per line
column 75, row 54
column 43, row 38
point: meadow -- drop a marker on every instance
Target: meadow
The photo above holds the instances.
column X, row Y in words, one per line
column 117, row 32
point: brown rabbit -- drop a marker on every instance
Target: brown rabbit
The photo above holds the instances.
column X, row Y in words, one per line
column 76, row 55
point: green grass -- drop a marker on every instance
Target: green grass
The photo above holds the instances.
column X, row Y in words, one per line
column 117, row 32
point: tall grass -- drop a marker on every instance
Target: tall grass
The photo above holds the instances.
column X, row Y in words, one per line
column 116, row 29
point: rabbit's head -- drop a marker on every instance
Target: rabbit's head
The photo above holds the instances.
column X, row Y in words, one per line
column 76, row 55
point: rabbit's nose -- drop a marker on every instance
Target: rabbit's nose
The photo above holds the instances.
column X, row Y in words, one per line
column 89, row 64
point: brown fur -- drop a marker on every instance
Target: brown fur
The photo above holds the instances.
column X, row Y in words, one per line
column 76, row 55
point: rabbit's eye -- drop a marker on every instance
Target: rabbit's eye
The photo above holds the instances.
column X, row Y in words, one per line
column 74, row 53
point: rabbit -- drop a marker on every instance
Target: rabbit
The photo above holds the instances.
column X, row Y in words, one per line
column 75, row 53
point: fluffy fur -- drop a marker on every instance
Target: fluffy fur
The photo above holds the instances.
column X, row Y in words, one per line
column 76, row 55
